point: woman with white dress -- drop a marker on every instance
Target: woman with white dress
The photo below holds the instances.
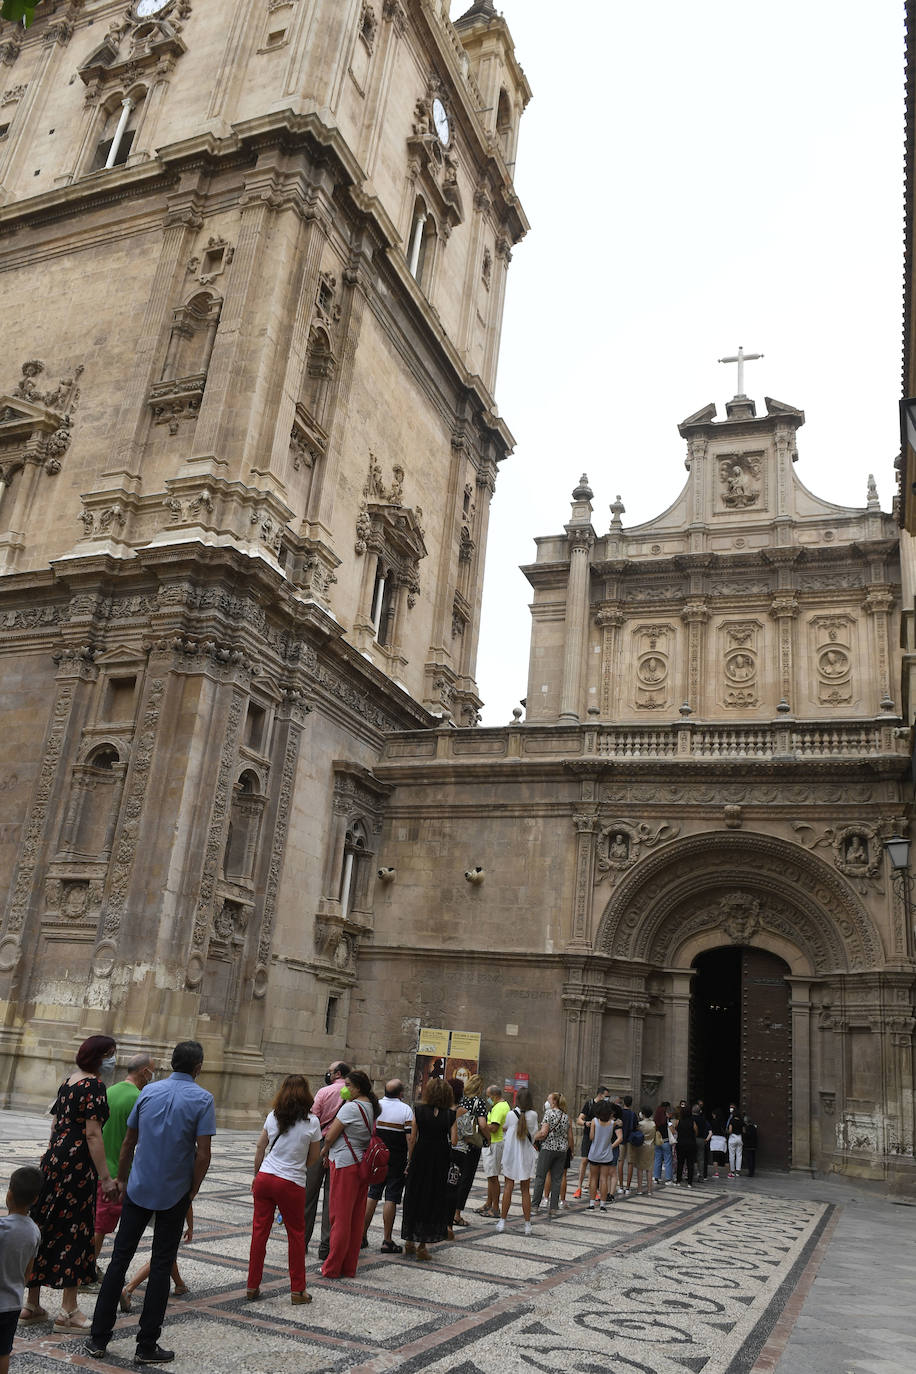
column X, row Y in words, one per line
column 519, row 1157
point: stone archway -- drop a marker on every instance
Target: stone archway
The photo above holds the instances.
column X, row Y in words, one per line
column 757, row 888
column 748, row 890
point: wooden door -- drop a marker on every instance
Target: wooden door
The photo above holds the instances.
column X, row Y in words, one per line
column 766, row 1055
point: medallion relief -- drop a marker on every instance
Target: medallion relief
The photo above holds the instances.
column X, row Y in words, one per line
column 831, row 640
column 653, row 646
column 739, row 657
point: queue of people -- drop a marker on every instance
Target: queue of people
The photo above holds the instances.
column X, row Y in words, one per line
column 136, row 1154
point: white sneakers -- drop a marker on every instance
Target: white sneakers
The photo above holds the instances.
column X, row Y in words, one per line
column 527, row 1228
column 500, row 1225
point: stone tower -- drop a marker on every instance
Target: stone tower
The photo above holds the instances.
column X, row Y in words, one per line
column 253, row 263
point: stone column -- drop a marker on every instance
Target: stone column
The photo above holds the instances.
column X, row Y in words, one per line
column 695, row 616
column 581, row 537
column 802, row 1104
column 183, row 220
column 637, row 1016
column 676, row 1072
column 609, row 622
column 784, row 609
column 878, row 604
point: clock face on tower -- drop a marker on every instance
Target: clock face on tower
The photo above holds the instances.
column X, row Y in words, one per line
column 440, row 120
column 145, row 9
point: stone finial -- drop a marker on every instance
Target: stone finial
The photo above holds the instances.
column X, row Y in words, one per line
column 617, row 509
column 873, row 501
column 583, row 491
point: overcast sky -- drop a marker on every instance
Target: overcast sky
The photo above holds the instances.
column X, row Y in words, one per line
column 697, row 176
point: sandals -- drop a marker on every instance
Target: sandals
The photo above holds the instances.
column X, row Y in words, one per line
column 31, row 1316
column 490, row 1212
column 297, row 1298
column 410, row 1249
column 388, row 1247
column 423, row 1253
column 460, row 1221
column 252, row 1294
column 124, row 1300
column 180, row 1290
column 70, row 1321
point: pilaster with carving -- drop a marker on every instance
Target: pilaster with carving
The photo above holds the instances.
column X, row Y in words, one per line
column 695, row 616
column 784, row 610
column 878, row 604
column 586, row 825
column 609, row 620
column 182, row 221
column 581, row 540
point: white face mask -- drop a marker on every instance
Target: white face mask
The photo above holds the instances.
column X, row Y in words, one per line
column 108, row 1067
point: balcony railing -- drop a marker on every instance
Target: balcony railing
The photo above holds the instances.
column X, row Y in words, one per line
column 694, row 740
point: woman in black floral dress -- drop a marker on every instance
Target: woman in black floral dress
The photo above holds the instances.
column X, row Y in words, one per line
column 72, row 1165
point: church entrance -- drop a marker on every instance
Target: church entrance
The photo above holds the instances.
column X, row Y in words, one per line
column 741, row 1043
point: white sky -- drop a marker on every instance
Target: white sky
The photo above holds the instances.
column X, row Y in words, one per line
column 697, row 175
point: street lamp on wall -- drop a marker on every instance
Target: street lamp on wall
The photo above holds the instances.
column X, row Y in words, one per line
column 898, row 851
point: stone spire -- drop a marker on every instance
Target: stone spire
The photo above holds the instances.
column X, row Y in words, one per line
column 481, row 9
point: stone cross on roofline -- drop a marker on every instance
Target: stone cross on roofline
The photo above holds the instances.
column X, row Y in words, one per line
column 741, row 358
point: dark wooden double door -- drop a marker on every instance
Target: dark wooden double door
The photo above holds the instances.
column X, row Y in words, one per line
column 741, row 1043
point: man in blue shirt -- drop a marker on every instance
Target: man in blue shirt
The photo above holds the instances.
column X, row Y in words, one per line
column 168, row 1144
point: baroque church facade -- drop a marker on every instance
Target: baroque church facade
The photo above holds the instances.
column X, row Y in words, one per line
column 254, row 268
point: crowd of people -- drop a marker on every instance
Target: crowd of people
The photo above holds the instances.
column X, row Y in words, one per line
column 136, row 1153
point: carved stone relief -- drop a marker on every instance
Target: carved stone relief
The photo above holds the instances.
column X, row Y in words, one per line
column 653, row 650
column 740, row 657
column 831, row 639
column 740, row 481
column 620, row 843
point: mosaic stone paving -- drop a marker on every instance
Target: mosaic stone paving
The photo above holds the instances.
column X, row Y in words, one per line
column 686, row 1281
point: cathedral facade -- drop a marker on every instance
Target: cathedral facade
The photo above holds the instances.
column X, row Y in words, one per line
column 253, row 266
column 680, row 880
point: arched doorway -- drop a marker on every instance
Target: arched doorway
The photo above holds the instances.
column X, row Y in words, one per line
column 741, row 1042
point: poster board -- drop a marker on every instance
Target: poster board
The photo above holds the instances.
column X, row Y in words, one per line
column 444, row 1054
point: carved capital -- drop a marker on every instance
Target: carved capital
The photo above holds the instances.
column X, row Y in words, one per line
column 784, row 606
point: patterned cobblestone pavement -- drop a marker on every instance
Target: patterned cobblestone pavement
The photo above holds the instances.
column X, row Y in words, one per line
column 717, row 1279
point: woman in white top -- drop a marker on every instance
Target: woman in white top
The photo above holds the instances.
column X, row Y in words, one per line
column 519, row 1157
column 344, row 1146
column 289, row 1143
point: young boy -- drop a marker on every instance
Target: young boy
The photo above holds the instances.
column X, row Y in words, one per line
column 19, row 1242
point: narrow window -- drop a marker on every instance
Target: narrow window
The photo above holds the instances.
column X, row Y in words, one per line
column 330, row 1016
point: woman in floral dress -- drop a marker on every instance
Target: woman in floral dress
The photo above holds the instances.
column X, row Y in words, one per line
column 73, row 1165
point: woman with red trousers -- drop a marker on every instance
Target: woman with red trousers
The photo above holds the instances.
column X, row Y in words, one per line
column 344, row 1145
column 288, row 1145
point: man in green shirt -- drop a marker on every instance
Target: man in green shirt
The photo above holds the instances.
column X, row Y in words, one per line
column 121, row 1098
column 493, row 1153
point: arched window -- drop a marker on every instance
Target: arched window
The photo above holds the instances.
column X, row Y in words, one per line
column 244, row 828
column 422, row 243
column 122, row 115
column 192, row 338
column 353, row 873
column 104, row 758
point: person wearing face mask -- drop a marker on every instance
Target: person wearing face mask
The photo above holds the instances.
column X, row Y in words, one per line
column 325, row 1107
column 73, row 1168
column 121, row 1097
column 344, row 1145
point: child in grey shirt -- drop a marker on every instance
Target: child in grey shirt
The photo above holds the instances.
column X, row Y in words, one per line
column 19, row 1242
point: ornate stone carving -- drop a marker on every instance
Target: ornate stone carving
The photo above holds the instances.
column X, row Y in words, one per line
column 739, row 917
column 739, row 481
column 620, row 842
column 801, row 898
column 10, row 49
column 654, row 646
column 278, row 844
column 831, row 639
column 34, row 828
column 122, row 864
column 13, row 94
column 216, row 837
column 740, row 657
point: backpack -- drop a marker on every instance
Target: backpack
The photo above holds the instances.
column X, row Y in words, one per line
column 373, row 1167
column 636, row 1139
